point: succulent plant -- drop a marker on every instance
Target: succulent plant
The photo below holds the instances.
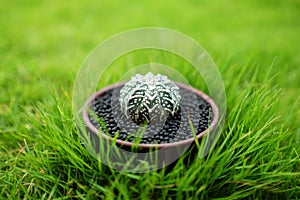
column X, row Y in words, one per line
column 149, row 97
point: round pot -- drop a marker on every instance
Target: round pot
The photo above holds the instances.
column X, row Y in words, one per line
column 170, row 150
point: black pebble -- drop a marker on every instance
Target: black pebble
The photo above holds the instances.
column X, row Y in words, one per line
column 176, row 128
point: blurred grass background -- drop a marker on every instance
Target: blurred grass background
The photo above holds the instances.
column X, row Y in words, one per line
column 49, row 40
column 43, row 43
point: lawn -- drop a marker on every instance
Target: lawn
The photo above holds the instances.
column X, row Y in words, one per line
column 255, row 45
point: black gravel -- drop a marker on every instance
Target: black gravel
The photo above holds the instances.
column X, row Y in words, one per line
column 109, row 118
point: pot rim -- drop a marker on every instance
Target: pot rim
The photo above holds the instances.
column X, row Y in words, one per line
column 93, row 129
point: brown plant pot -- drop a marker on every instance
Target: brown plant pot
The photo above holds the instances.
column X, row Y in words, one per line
column 171, row 148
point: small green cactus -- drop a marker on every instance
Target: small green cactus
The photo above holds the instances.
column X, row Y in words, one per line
column 149, row 97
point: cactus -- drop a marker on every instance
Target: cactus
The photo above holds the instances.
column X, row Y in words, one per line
column 147, row 98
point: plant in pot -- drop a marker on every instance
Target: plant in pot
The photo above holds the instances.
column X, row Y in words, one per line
column 148, row 113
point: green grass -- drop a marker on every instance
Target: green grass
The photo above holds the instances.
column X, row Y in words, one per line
column 255, row 44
